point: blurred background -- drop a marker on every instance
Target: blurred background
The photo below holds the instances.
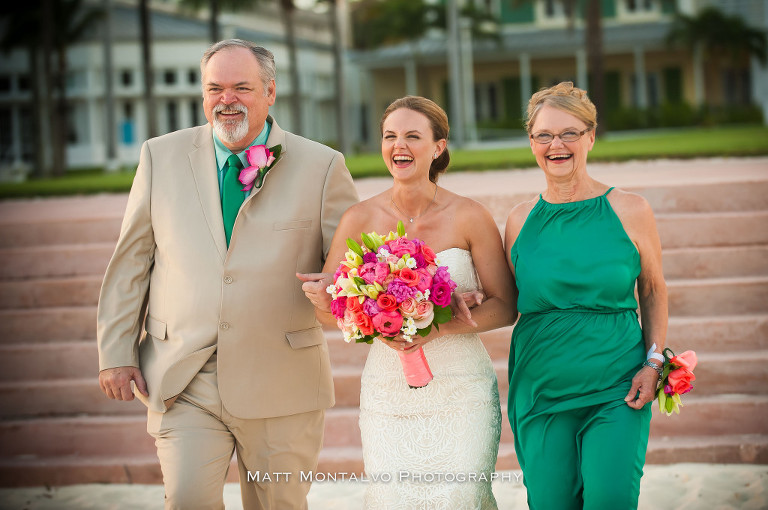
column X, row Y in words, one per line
column 84, row 82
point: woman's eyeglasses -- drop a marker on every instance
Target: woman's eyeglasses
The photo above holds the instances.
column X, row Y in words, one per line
column 566, row 136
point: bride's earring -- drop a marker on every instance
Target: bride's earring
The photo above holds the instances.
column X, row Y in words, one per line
column 435, row 156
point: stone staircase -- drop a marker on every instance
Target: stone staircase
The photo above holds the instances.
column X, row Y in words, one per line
column 57, row 428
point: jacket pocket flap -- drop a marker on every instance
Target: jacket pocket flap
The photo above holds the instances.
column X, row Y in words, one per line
column 155, row 328
column 305, row 337
column 290, row 225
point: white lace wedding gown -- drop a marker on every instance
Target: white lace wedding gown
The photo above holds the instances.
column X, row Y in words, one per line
column 433, row 447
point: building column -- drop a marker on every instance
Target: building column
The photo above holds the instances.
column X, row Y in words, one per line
column 97, row 142
column 525, row 82
column 468, row 76
column 582, row 69
column 16, row 135
column 698, row 76
column 411, row 78
column 640, row 79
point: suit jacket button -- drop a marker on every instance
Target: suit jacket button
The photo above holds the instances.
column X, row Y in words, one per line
column 228, row 279
column 224, row 325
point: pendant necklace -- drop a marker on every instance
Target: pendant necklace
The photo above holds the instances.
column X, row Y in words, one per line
column 410, row 218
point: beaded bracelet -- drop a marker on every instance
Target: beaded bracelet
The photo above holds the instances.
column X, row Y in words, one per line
column 659, row 369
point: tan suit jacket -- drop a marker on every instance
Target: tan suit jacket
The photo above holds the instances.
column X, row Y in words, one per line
column 173, row 293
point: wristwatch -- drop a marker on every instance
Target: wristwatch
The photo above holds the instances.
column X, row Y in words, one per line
column 658, row 368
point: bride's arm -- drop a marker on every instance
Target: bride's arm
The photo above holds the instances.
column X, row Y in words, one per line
column 499, row 308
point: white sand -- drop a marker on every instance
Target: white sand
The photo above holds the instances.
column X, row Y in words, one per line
column 677, row 486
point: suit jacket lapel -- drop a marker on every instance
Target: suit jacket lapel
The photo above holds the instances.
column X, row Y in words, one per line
column 202, row 160
column 276, row 137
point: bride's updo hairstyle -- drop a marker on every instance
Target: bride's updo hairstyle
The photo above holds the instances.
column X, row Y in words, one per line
column 437, row 119
column 563, row 96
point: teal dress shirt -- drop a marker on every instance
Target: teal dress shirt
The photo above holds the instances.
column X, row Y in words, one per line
column 222, row 153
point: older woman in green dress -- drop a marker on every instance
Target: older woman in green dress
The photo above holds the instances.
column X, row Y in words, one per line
column 582, row 369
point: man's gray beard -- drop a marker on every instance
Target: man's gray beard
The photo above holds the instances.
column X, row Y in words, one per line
column 229, row 132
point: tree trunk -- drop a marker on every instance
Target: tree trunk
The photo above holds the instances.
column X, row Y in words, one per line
column 41, row 127
column 62, row 112
column 48, row 79
column 286, row 10
column 146, row 61
column 338, row 74
column 109, row 93
column 214, row 21
column 594, row 41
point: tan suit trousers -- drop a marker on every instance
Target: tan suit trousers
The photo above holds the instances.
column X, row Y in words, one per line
column 196, row 437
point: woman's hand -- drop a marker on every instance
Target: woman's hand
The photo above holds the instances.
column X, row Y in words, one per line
column 462, row 302
column 400, row 344
column 643, row 388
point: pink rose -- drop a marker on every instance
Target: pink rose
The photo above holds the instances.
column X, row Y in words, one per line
column 388, row 323
column 680, row 379
column 425, row 280
column 401, row 246
column 363, row 322
column 387, row 302
column 260, row 156
column 354, row 305
column 432, row 269
column 686, row 359
column 408, row 307
column 368, row 272
column 338, row 306
column 409, row 276
column 429, row 255
column 388, row 279
column 381, row 272
column 425, row 314
column 441, row 294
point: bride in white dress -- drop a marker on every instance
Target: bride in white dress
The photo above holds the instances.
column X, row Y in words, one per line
column 433, row 447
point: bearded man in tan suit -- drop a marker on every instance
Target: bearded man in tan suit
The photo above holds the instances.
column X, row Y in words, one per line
column 214, row 329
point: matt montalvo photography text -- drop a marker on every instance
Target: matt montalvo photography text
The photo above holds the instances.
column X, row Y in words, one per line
column 312, row 476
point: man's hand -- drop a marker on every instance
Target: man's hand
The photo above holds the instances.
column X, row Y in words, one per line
column 116, row 382
column 314, row 287
column 462, row 302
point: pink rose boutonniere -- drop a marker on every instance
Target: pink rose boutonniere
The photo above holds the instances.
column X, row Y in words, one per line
column 677, row 379
column 261, row 160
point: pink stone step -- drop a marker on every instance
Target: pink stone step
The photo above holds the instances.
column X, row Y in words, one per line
column 715, row 296
column 47, row 324
column 713, row 415
column 728, row 333
column 715, row 262
column 45, row 361
column 679, row 230
column 706, row 197
column 55, row 260
column 61, row 397
column 725, row 449
column 84, row 436
column 75, row 469
column 90, row 230
column 50, row 292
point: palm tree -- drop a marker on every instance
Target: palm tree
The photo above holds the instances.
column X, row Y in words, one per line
column 56, row 24
column 146, row 66
column 287, row 10
column 72, row 19
column 716, row 38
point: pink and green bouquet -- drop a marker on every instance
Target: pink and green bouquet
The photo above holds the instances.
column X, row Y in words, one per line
column 676, row 379
column 389, row 286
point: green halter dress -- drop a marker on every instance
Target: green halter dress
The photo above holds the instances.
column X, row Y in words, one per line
column 574, row 352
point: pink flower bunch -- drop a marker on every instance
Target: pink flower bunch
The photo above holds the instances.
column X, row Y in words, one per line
column 677, row 379
column 261, row 159
column 390, row 286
